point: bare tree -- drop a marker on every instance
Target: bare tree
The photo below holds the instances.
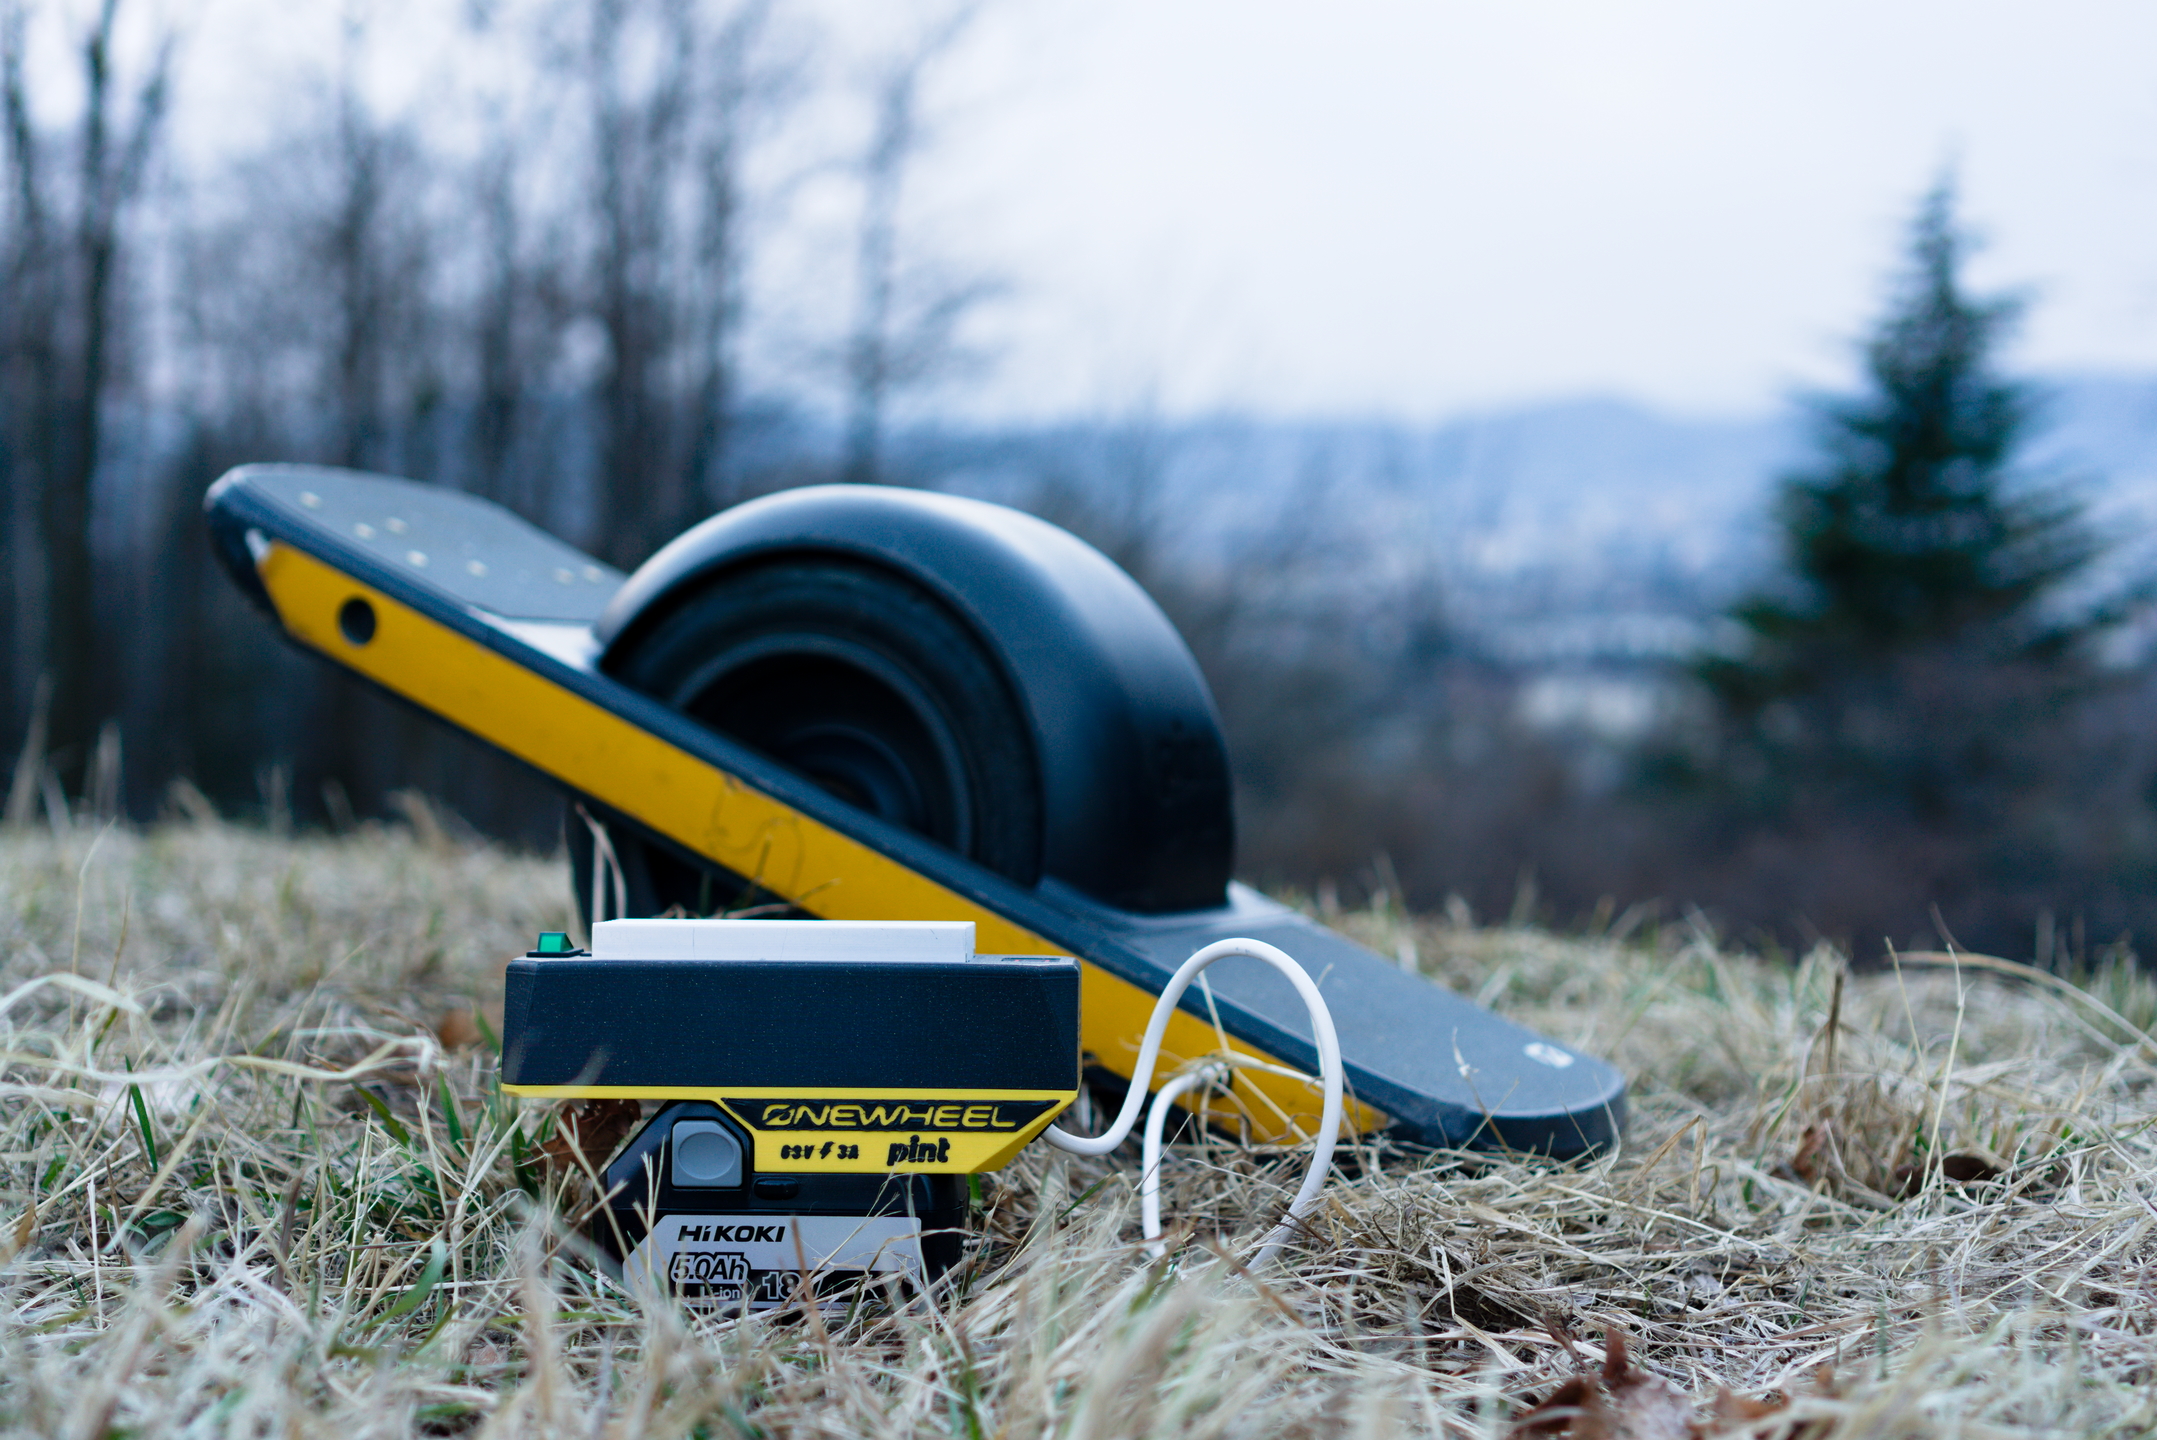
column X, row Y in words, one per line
column 505, row 362
column 462, row 303
column 905, row 328
column 66, row 250
column 744, row 89
column 670, row 120
column 375, row 264
column 634, row 137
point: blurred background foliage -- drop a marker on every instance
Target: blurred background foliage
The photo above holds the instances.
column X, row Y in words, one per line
column 1918, row 722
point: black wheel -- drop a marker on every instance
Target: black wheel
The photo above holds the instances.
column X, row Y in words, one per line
column 857, row 679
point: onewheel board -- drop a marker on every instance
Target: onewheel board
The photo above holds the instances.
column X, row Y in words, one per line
column 491, row 625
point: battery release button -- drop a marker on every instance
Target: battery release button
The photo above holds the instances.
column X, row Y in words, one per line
column 553, row 944
column 705, row 1155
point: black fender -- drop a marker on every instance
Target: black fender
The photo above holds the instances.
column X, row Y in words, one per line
column 1134, row 773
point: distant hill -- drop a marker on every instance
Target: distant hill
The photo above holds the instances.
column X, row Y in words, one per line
column 1578, row 529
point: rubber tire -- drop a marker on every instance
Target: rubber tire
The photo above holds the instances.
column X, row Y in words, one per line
column 854, row 677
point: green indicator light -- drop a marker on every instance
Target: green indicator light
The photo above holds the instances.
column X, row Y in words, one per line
column 553, row 942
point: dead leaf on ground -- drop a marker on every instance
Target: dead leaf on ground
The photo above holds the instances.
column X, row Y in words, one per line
column 1732, row 1412
column 457, row 1029
column 1622, row 1403
column 1730, row 1409
column 1625, row 1403
column 1960, row 1168
column 590, row 1128
column 1805, row 1164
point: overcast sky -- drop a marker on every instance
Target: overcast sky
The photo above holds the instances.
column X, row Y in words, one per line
column 1414, row 207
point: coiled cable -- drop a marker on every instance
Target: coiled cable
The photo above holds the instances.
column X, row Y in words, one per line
column 1214, row 1071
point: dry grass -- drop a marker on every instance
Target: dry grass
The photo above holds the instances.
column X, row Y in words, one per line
column 246, row 1189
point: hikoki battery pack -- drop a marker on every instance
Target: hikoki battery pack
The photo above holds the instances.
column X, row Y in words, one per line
column 824, row 1089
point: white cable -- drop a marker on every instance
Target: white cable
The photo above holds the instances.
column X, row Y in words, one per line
column 1149, row 1050
column 1149, row 1173
column 605, row 866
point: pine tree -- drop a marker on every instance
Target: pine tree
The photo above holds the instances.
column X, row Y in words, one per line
column 1914, row 540
column 1917, row 635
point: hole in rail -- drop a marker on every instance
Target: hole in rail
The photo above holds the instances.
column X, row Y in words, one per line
column 356, row 620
